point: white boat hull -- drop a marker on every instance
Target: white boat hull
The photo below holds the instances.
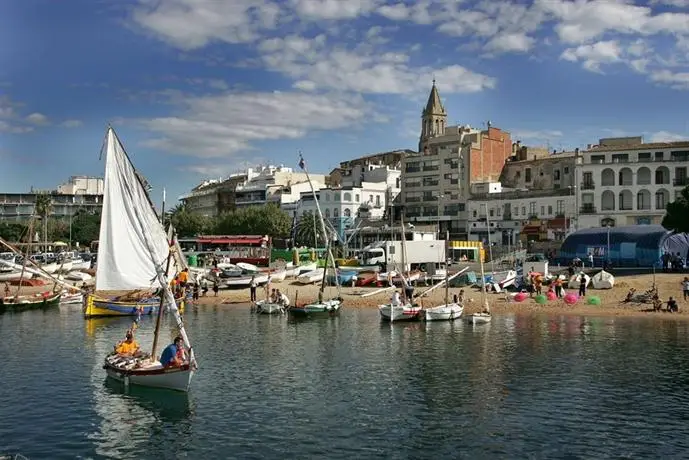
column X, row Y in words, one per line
column 77, row 276
column 243, row 281
column 444, row 312
column 81, row 265
column 301, row 269
column 394, row 313
column 268, row 308
column 278, row 276
column 311, row 277
column 15, row 276
column 50, row 268
column 153, row 375
column 481, row 318
column 71, row 299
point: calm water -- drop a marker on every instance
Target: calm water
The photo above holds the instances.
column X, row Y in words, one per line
column 521, row 387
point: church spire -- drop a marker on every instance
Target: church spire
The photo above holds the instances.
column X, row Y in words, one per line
column 433, row 118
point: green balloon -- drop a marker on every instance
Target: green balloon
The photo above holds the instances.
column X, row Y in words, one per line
column 593, row 300
column 541, row 299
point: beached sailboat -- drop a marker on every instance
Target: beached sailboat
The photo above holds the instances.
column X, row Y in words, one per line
column 131, row 228
column 124, row 260
column 448, row 311
column 407, row 310
column 322, row 307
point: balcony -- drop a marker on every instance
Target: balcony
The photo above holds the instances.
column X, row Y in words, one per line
column 587, row 209
column 587, row 185
column 681, row 182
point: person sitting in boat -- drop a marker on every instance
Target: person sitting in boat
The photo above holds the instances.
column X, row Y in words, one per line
column 183, row 278
column 173, row 354
column 128, row 347
column 273, row 297
column 486, row 308
column 282, row 298
column 459, row 298
column 409, row 292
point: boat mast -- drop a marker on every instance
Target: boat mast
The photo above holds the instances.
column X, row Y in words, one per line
column 404, row 252
column 156, row 334
column 447, row 282
column 329, row 254
column 26, row 257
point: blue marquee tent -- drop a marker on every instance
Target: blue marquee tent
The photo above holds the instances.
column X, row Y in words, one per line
column 630, row 246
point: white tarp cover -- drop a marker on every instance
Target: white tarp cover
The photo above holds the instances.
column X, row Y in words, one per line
column 132, row 240
column 575, row 280
column 603, row 280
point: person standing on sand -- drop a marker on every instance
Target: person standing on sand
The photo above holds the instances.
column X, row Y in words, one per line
column 685, row 288
column 215, row 288
column 252, row 288
column 582, row 285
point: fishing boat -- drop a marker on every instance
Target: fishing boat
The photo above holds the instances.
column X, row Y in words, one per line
column 29, row 302
column 448, row 311
column 71, row 298
column 322, row 307
column 131, row 226
column 125, row 260
column 14, row 275
column 484, row 316
column 406, row 310
column 307, row 267
column 311, row 277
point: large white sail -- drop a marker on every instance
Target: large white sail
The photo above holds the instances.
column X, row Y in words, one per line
column 132, row 241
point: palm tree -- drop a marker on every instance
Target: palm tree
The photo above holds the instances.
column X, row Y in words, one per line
column 309, row 232
column 43, row 208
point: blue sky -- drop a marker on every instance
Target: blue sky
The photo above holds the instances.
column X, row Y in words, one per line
column 202, row 88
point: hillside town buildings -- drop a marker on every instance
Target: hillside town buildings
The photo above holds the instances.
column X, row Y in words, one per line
column 476, row 184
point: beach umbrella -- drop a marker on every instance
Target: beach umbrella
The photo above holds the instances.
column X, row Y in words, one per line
column 593, row 300
column 541, row 299
column 571, row 299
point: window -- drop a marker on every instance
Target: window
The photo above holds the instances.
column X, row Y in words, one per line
column 337, row 196
column 347, row 212
column 587, row 179
column 556, row 174
column 430, row 181
column 370, row 198
column 356, row 197
column 327, row 197
column 491, row 212
column 620, row 158
column 523, row 210
column 550, row 210
column 474, row 213
column 645, row 156
column 542, row 210
column 532, row 208
column 347, row 197
column 560, row 208
column 327, row 212
column 566, row 169
column 661, row 199
column 658, row 156
column 527, row 175
column 413, row 167
column 377, row 200
column 336, row 212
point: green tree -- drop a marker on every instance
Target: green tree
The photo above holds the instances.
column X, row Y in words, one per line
column 187, row 223
column 677, row 213
column 58, row 230
column 12, row 232
column 255, row 220
column 309, row 231
column 85, row 227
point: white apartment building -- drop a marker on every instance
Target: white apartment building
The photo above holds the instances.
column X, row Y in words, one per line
column 627, row 182
column 264, row 182
column 503, row 214
column 82, row 185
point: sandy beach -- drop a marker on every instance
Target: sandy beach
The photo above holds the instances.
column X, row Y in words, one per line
column 611, row 305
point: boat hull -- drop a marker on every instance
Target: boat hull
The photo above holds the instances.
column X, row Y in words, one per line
column 39, row 303
column 156, row 376
column 480, row 318
column 444, row 313
column 399, row 312
column 326, row 309
column 98, row 307
column 267, row 308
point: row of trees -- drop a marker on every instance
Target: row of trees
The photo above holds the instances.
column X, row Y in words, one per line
column 85, row 228
column 253, row 220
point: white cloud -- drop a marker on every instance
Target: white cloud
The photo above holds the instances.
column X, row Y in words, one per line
column 594, row 55
column 37, row 119
column 361, row 70
column 333, row 9
column 677, row 80
column 191, row 24
column 6, row 127
column 510, row 42
column 71, row 123
column 227, row 124
column 664, row 136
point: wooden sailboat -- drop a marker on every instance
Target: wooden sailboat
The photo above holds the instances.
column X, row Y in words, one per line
column 448, row 311
column 132, row 227
column 322, row 307
column 125, row 261
column 405, row 310
column 19, row 302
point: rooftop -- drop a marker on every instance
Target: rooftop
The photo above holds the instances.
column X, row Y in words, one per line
column 639, row 146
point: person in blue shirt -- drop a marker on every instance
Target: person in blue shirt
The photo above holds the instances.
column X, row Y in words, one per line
column 173, row 354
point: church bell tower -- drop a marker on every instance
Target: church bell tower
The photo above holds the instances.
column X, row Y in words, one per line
column 433, row 119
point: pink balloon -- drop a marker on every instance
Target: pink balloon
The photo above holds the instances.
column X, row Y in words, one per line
column 551, row 295
column 520, row 296
column 571, row 299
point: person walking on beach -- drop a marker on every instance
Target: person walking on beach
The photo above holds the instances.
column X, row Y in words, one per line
column 582, row 285
column 685, row 288
column 591, row 259
column 252, row 288
column 215, row 288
